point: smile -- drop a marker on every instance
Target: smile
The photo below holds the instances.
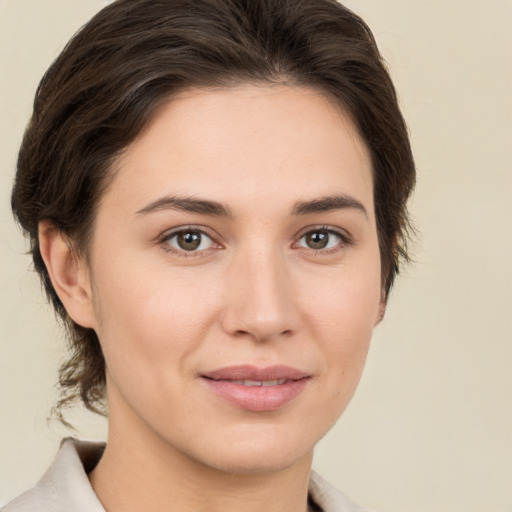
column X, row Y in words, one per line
column 257, row 390
column 251, row 383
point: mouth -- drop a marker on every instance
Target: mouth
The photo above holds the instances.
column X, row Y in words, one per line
column 252, row 383
column 252, row 374
column 257, row 389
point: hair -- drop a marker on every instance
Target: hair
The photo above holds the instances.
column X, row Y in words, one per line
column 132, row 57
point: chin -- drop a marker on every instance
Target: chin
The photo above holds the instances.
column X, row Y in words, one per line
column 257, row 451
column 254, row 462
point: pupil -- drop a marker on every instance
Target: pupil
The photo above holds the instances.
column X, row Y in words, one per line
column 188, row 240
column 318, row 240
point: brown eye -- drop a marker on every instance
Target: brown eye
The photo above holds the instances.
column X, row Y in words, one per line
column 321, row 239
column 317, row 240
column 189, row 240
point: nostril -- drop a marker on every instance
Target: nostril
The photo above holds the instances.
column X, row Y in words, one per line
column 261, row 336
column 260, row 317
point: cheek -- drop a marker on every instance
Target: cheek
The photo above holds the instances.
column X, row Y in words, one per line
column 343, row 319
column 348, row 303
column 343, row 329
column 149, row 319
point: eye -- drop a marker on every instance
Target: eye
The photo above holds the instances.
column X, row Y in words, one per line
column 321, row 239
column 188, row 240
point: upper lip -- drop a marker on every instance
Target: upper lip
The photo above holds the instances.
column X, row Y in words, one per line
column 249, row 372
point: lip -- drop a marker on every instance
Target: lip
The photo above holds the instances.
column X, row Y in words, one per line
column 225, row 382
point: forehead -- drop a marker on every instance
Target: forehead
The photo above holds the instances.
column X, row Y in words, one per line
column 251, row 140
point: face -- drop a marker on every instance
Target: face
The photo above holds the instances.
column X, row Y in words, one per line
column 235, row 276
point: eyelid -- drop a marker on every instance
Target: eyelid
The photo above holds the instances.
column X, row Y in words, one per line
column 170, row 233
column 346, row 238
column 162, row 239
column 324, row 227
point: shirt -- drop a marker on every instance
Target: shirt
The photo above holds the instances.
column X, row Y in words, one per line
column 65, row 486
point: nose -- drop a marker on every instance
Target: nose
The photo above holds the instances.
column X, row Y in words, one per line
column 260, row 298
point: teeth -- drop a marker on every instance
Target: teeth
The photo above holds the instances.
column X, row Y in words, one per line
column 276, row 382
column 252, row 383
column 273, row 382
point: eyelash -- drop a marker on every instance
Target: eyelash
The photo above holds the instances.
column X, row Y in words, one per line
column 344, row 240
column 164, row 240
column 166, row 237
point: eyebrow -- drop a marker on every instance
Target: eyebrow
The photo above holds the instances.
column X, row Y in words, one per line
column 329, row 203
column 216, row 209
column 187, row 204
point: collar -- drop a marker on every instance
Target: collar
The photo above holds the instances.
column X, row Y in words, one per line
column 65, row 486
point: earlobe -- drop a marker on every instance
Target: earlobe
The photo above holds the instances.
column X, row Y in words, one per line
column 382, row 310
column 68, row 274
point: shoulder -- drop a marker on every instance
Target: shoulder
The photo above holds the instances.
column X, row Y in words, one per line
column 30, row 501
column 328, row 498
column 65, row 486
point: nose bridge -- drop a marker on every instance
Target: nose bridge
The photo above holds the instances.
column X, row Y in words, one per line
column 260, row 301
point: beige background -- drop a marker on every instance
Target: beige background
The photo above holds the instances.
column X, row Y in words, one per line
column 430, row 428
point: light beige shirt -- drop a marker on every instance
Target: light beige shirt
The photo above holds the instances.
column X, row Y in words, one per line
column 65, row 486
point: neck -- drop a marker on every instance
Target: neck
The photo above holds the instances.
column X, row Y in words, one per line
column 145, row 473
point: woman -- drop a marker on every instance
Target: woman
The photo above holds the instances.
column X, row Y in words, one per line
column 215, row 192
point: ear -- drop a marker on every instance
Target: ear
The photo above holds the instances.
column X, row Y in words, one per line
column 382, row 309
column 68, row 273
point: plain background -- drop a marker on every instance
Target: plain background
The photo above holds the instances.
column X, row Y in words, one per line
column 430, row 428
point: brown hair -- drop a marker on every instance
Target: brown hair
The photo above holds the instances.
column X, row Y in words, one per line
column 132, row 56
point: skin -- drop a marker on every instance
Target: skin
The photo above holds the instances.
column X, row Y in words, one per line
column 255, row 292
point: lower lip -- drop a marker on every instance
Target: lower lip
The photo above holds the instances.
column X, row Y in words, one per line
column 257, row 398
